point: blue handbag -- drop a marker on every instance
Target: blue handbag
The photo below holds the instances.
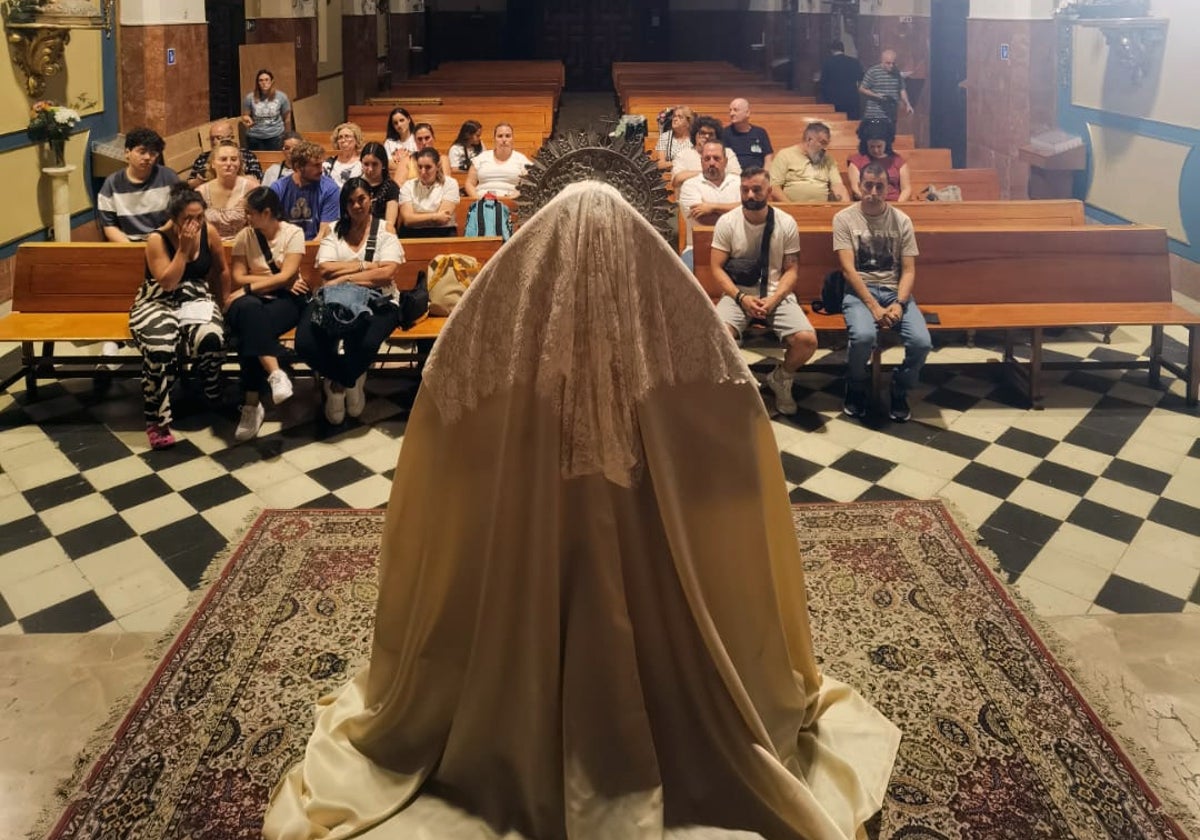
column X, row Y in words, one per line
column 345, row 307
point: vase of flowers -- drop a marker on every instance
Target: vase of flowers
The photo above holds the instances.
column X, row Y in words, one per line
column 53, row 124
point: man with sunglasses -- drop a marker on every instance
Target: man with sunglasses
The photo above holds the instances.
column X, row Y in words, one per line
column 877, row 251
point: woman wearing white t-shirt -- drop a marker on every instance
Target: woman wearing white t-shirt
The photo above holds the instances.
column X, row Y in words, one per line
column 267, row 300
column 342, row 258
column 400, row 141
column 348, row 140
column 497, row 171
column 427, row 202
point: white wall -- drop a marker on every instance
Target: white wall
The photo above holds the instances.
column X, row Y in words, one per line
column 155, row 12
column 1167, row 94
column 1012, row 9
column 894, row 8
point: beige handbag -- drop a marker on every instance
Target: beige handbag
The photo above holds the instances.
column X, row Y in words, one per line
column 447, row 278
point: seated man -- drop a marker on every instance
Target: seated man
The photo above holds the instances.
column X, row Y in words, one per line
column 749, row 142
column 704, row 198
column 739, row 235
column 133, row 201
column 310, row 198
column 805, row 172
column 878, row 254
column 218, row 131
column 687, row 161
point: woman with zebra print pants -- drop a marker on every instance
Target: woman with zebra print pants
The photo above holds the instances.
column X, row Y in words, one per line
column 175, row 315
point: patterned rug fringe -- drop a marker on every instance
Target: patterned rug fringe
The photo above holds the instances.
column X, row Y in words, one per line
column 102, row 739
column 1072, row 672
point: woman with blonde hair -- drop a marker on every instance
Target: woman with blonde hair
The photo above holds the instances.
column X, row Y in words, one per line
column 676, row 135
column 347, row 139
column 428, row 200
column 225, row 190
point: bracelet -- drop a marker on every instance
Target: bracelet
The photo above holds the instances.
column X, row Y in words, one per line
column 738, row 297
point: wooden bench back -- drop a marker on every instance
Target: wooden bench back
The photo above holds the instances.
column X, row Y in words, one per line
column 103, row 277
column 947, row 215
column 976, row 184
column 1084, row 264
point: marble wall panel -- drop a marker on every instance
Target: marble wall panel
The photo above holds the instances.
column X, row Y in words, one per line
column 1009, row 101
column 811, row 38
column 403, row 61
column 361, row 71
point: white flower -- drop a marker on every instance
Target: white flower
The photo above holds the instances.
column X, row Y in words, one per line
column 66, row 116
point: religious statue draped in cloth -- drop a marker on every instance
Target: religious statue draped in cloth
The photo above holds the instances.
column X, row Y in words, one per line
column 592, row 620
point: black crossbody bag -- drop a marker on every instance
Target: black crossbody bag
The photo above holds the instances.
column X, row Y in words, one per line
column 748, row 271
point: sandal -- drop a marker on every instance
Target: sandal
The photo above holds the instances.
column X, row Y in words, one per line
column 160, row 437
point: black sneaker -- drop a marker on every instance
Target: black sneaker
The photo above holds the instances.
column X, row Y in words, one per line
column 856, row 401
column 900, row 411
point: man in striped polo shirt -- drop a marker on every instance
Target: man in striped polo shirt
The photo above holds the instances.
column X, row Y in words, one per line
column 133, row 201
column 883, row 87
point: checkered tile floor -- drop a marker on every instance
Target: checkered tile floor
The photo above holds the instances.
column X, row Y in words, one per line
column 1091, row 504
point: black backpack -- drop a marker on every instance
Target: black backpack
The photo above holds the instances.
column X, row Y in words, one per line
column 832, row 292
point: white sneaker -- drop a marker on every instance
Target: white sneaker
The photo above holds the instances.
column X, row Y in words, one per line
column 110, row 348
column 250, row 422
column 335, row 404
column 356, row 397
column 781, row 384
column 281, row 386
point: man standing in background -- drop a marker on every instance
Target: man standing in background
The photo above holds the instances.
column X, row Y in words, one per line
column 883, row 86
column 840, row 75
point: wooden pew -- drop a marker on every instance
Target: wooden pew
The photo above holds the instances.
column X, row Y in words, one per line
column 82, row 292
column 1018, row 280
column 525, row 143
column 944, row 215
column 976, row 184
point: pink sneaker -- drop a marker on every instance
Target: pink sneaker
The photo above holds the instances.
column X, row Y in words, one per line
column 160, row 436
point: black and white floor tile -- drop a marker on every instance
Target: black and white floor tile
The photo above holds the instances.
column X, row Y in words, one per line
column 1091, row 504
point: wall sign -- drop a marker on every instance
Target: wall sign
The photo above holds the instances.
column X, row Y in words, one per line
column 170, row 56
column 1004, row 52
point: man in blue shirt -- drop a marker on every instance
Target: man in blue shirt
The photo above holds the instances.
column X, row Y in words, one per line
column 308, row 195
column 749, row 142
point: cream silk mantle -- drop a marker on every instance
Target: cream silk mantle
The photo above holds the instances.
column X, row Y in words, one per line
column 592, row 620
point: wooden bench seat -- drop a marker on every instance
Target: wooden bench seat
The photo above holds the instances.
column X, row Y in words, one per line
column 82, row 292
column 1024, row 280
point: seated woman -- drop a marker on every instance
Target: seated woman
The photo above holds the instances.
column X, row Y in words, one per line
column 385, row 193
column 267, row 299
column 497, row 171
column 428, row 201
column 677, row 136
column 225, row 190
column 359, row 250
column 347, row 139
column 876, row 146
column 423, row 134
column 175, row 312
column 467, row 146
column 282, row 169
column 399, row 141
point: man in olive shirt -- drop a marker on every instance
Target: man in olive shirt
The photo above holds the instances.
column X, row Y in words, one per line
column 805, row 172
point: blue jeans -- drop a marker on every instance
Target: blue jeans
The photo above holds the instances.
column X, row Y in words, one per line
column 862, row 331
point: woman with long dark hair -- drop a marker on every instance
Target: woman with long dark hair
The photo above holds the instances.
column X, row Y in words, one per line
column 424, row 137
column 875, row 146
column 267, row 114
column 175, row 312
column 360, row 251
column 400, row 142
column 385, row 193
column 467, row 146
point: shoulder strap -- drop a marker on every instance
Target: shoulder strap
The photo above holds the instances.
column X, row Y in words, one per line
column 371, row 237
column 266, row 250
column 764, row 254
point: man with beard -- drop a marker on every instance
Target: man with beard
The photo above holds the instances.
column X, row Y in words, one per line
column 763, row 293
column 714, row 191
column 877, row 251
column 805, row 172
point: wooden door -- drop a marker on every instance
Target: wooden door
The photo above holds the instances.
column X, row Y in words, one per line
column 589, row 35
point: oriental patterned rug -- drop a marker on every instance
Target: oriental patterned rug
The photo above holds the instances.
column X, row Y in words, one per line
column 997, row 742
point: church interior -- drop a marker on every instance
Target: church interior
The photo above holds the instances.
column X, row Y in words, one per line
column 1083, row 489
